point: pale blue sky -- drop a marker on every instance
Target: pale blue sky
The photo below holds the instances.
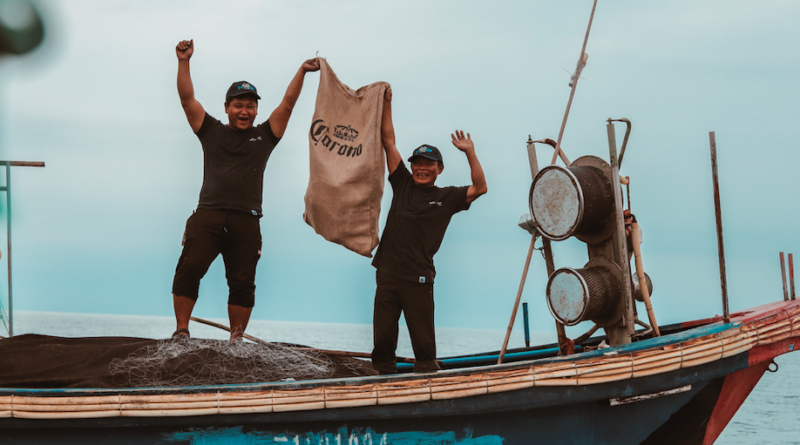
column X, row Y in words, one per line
column 98, row 230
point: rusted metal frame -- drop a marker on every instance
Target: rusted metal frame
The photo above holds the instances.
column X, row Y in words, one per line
column 553, row 144
column 7, row 189
column 587, row 335
column 624, row 140
column 783, row 275
column 546, row 246
column 791, row 275
column 720, row 242
column 620, row 241
column 575, row 77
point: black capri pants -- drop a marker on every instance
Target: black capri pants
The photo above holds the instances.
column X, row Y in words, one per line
column 237, row 236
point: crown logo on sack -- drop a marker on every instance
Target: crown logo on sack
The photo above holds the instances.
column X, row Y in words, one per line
column 345, row 133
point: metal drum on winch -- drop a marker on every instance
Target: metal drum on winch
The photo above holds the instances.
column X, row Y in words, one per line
column 577, row 200
column 592, row 293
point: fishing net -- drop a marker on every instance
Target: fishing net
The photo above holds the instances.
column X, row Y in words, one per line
column 193, row 362
column 41, row 361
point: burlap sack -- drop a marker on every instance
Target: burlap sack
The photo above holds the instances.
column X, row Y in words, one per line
column 343, row 199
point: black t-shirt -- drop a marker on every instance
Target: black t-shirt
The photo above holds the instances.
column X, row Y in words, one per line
column 233, row 165
column 415, row 227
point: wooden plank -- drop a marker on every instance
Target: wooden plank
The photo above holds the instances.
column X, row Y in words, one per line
column 168, row 398
column 87, row 400
column 307, row 406
column 350, row 392
column 81, row 415
column 350, row 403
column 504, row 387
column 65, row 408
column 404, row 399
column 548, row 368
column 656, row 356
column 267, row 401
column 604, row 379
column 452, row 384
column 246, row 409
column 305, row 395
column 244, row 395
column 701, row 360
column 460, row 393
column 169, row 406
column 668, row 367
column 732, row 352
column 170, row 412
column 556, row 382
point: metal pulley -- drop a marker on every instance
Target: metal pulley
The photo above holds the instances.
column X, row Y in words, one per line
column 592, row 293
column 576, row 200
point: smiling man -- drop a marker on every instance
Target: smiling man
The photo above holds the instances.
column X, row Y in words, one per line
column 227, row 217
column 415, row 227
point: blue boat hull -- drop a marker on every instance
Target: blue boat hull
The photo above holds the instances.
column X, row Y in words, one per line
column 567, row 415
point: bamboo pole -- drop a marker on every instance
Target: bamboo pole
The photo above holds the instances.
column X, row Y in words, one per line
column 576, row 76
column 516, row 302
column 323, row 351
column 249, row 337
column 637, row 252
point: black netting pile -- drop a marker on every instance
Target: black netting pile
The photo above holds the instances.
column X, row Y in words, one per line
column 40, row 361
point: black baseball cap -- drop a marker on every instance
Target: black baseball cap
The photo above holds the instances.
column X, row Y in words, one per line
column 428, row 152
column 241, row 88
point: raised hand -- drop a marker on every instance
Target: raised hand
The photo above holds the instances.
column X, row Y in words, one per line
column 462, row 143
column 311, row 65
column 387, row 93
column 185, row 49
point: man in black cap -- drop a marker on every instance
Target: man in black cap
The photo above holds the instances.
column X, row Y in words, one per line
column 414, row 230
column 227, row 217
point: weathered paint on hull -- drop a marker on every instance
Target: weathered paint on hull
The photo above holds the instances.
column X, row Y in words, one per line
column 568, row 415
column 543, row 413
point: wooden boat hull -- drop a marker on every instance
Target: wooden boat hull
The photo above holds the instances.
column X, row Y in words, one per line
column 690, row 404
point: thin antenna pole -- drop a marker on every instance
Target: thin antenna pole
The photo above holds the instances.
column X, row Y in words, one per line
column 791, row 275
column 721, row 245
column 575, row 77
column 8, row 251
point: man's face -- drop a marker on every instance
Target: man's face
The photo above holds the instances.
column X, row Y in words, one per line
column 241, row 112
column 425, row 171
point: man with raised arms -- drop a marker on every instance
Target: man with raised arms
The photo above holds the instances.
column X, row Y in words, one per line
column 227, row 217
column 414, row 230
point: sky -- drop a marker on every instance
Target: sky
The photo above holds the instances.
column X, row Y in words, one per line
column 98, row 230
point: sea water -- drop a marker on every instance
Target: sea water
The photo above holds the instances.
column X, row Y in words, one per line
column 771, row 415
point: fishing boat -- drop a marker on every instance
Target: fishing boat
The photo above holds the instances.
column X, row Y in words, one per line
column 681, row 387
column 679, row 383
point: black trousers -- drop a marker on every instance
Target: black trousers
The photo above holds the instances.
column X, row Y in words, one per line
column 415, row 301
column 237, row 236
